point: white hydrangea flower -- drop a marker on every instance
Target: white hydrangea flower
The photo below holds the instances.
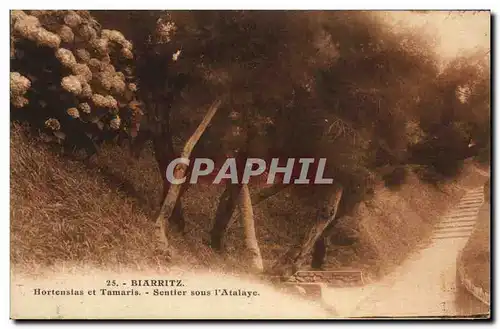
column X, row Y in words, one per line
column 72, row 84
column 165, row 30
column 105, row 79
column 127, row 44
column 111, row 102
column 113, row 36
column 100, row 45
column 104, row 101
column 53, row 124
column 118, row 85
column 18, row 84
column 94, row 65
column 16, row 15
column 19, row 101
column 99, row 100
column 106, row 59
column 82, row 71
column 72, row 19
column 46, row 38
column 39, row 13
column 83, row 55
column 27, row 26
column 86, row 91
column 66, row 57
column 108, row 68
column 66, row 34
column 127, row 53
column 84, row 107
column 105, row 33
column 120, row 76
column 87, row 32
column 73, row 112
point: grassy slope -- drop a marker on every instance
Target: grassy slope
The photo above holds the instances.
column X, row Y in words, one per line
column 476, row 254
column 64, row 211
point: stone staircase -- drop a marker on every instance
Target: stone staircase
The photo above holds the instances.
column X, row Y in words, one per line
column 459, row 222
column 425, row 284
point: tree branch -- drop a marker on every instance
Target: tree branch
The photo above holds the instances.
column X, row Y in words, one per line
column 248, row 223
column 294, row 257
column 179, row 171
column 268, row 192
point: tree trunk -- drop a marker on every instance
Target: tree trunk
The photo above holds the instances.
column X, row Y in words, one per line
column 294, row 258
column 177, row 217
column 225, row 209
column 248, row 223
column 227, row 205
column 319, row 253
column 164, row 153
column 180, row 170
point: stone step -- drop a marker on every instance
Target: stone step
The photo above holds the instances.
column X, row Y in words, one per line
column 478, row 195
column 462, row 222
column 463, row 226
column 458, row 216
column 469, row 204
column 454, row 225
column 463, row 211
column 475, row 190
column 472, row 192
column 453, row 230
column 446, row 237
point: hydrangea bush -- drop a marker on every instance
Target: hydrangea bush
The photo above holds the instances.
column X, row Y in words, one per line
column 69, row 75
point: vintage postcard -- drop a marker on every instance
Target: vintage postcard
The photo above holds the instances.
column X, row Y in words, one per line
column 184, row 164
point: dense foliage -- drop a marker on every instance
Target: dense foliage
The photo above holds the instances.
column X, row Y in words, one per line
column 69, row 77
column 341, row 85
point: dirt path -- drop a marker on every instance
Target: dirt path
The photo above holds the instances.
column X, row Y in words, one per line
column 425, row 284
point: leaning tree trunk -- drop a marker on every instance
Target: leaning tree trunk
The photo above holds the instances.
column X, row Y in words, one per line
column 248, row 223
column 158, row 131
column 227, row 205
column 223, row 214
column 294, row 258
column 164, row 153
column 180, row 170
column 319, row 253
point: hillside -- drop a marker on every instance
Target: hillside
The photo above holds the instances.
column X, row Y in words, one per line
column 476, row 254
column 98, row 213
column 64, row 211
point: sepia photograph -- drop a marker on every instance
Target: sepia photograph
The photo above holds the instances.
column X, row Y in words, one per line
column 250, row 164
